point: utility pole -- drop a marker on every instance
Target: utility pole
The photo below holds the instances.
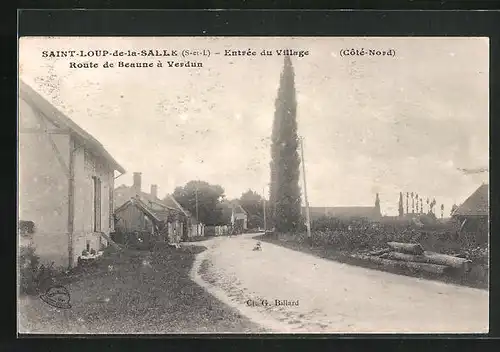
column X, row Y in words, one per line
column 264, row 208
column 197, row 221
column 308, row 218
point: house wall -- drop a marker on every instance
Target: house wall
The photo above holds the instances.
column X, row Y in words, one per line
column 241, row 219
column 240, row 223
column 43, row 185
column 86, row 167
column 476, row 227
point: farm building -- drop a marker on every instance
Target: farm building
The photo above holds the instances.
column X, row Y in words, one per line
column 474, row 211
column 182, row 224
column 164, row 223
column 365, row 212
column 66, row 182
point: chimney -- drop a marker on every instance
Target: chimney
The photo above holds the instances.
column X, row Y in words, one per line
column 154, row 191
column 137, row 183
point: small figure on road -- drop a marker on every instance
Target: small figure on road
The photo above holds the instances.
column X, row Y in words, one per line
column 257, row 247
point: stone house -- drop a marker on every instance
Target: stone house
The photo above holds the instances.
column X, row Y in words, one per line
column 65, row 182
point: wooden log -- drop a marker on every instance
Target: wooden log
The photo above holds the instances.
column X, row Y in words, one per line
column 380, row 252
column 432, row 258
column 449, row 260
column 409, row 248
column 408, row 257
column 431, row 268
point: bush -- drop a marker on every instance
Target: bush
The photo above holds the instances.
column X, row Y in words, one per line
column 359, row 234
column 26, row 227
column 33, row 275
column 139, row 240
column 134, row 240
column 478, row 255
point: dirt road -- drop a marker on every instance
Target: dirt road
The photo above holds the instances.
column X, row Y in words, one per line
column 318, row 295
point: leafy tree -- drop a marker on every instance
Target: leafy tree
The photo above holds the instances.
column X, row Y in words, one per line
column 225, row 210
column 208, row 197
column 252, row 202
column 285, row 197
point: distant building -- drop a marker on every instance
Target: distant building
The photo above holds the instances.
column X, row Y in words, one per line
column 154, row 218
column 182, row 225
column 473, row 213
column 346, row 213
column 239, row 216
column 66, row 182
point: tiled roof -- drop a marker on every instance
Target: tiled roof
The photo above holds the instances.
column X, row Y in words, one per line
column 124, row 193
column 235, row 206
column 476, row 205
column 60, row 120
column 343, row 212
column 238, row 209
column 157, row 215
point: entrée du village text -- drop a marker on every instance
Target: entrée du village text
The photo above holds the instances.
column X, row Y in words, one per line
column 158, row 53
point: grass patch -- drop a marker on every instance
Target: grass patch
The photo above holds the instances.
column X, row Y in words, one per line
column 134, row 292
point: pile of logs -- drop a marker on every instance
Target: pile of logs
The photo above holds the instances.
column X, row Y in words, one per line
column 413, row 256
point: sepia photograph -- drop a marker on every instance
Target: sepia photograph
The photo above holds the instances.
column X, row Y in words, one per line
column 253, row 185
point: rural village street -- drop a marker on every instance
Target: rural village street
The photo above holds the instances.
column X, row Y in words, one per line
column 332, row 297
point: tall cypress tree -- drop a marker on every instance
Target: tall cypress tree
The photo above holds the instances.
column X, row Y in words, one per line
column 407, row 208
column 400, row 205
column 284, row 187
column 377, row 205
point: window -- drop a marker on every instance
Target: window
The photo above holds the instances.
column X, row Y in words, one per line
column 97, row 204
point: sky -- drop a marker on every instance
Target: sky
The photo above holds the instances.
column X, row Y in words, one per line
column 386, row 124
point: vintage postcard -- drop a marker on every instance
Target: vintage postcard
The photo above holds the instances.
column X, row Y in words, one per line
column 253, row 185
